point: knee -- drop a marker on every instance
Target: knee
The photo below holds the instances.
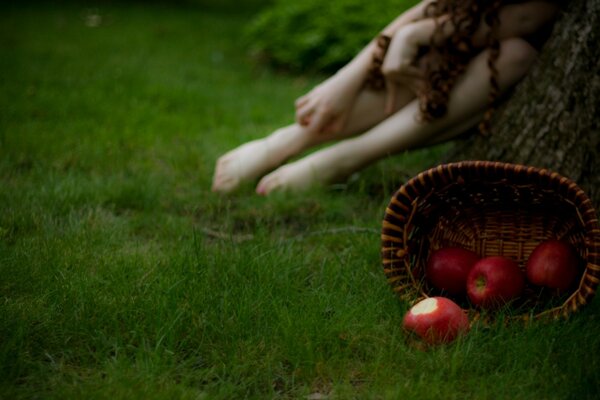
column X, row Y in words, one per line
column 516, row 55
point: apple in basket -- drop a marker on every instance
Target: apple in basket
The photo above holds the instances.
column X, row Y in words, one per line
column 494, row 281
column 553, row 263
column 436, row 320
column 447, row 269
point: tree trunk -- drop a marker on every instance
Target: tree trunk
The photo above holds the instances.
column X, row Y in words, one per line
column 551, row 119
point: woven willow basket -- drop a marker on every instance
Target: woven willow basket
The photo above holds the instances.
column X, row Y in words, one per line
column 491, row 208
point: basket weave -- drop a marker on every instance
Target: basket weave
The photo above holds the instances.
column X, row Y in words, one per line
column 491, row 208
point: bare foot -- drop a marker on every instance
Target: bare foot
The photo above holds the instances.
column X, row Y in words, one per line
column 319, row 168
column 294, row 176
column 247, row 162
column 254, row 159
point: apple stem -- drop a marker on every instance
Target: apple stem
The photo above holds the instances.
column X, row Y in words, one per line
column 480, row 282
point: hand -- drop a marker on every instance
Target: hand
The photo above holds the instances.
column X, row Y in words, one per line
column 399, row 65
column 325, row 109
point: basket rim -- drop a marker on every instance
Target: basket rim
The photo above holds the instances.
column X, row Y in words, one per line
column 400, row 209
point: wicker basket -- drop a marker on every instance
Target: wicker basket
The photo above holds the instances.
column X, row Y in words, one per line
column 491, row 208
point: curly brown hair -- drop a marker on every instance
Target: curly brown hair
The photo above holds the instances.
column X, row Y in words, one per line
column 449, row 57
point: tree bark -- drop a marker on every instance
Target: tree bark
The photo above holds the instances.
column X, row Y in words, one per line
column 551, row 119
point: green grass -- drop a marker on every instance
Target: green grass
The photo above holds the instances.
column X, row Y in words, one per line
column 122, row 276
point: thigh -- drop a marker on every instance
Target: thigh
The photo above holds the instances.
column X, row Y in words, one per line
column 469, row 95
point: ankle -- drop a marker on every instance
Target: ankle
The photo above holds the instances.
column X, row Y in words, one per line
column 285, row 143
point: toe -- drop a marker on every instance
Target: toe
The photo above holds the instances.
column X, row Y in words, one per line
column 266, row 185
column 261, row 188
column 224, row 184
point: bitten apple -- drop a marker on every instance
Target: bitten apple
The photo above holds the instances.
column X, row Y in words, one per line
column 436, row 320
column 553, row 263
column 494, row 281
column 447, row 269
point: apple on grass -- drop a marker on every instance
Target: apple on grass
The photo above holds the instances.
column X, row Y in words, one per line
column 436, row 320
column 447, row 269
column 494, row 281
column 553, row 263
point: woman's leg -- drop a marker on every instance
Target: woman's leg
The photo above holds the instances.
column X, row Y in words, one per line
column 403, row 130
column 253, row 159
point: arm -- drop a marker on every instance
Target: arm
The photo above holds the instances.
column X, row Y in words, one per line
column 515, row 20
column 360, row 64
column 519, row 20
column 325, row 108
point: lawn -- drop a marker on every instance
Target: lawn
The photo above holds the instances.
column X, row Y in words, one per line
column 122, row 276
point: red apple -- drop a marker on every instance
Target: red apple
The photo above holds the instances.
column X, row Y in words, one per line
column 436, row 320
column 447, row 269
column 494, row 281
column 552, row 263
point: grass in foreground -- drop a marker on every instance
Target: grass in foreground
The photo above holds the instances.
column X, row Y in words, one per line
column 122, row 276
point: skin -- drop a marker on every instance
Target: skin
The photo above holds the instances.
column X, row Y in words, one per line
column 369, row 125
